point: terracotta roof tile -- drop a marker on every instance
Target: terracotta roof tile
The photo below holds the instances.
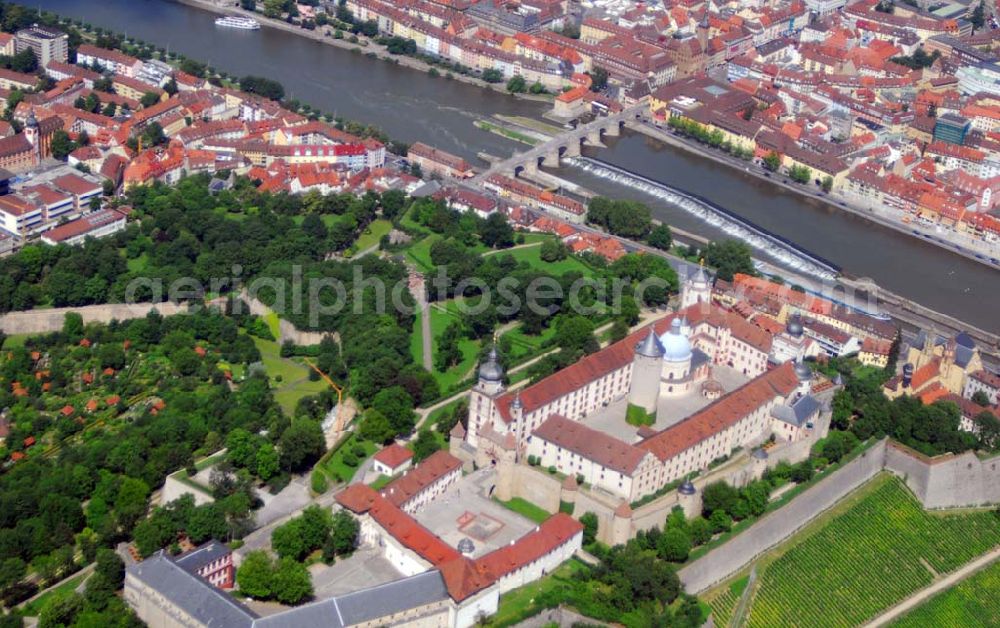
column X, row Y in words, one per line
column 436, row 466
column 393, row 455
column 591, row 444
column 723, row 413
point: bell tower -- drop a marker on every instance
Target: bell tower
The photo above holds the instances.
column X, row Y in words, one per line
column 482, row 397
column 696, row 289
column 31, row 133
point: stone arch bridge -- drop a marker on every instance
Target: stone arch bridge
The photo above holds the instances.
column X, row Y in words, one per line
column 567, row 144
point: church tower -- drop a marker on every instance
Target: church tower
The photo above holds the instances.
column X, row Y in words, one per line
column 31, row 133
column 696, row 289
column 482, row 397
column 703, row 30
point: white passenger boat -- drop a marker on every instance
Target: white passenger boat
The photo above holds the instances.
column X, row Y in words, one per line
column 236, row 21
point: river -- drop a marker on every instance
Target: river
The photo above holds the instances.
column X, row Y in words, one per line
column 413, row 106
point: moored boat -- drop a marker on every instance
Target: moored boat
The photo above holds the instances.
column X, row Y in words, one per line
column 236, row 21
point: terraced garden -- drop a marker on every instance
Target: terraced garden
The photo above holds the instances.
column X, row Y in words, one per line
column 972, row 602
column 880, row 550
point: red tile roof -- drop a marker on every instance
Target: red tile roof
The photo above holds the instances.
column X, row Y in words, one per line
column 619, row 354
column 925, row 373
column 436, row 466
column 463, row 577
column 932, row 393
column 394, row 455
column 590, row 443
column 553, row 532
column 722, row 413
column 360, row 498
column 76, row 185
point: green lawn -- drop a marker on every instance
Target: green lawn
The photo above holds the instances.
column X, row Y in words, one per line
column 532, row 237
column 138, row 264
column 273, row 324
column 411, row 225
column 441, row 317
column 532, row 255
column 372, row 235
column 335, row 468
column 420, row 251
column 438, row 414
column 520, row 604
column 381, row 482
column 526, row 509
column 15, row 340
column 525, row 344
column 863, row 559
column 32, row 609
column 972, row 602
column 295, row 382
column 443, row 314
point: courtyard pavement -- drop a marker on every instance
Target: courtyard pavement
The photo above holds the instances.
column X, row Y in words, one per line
column 669, row 411
column 363, row 569
column 465, row 511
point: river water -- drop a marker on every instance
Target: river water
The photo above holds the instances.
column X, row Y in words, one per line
column 413, row 106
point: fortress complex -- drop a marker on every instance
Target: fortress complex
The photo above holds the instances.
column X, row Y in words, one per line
column 702, row 382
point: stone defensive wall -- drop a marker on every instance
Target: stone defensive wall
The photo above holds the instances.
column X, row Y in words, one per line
column 50, row 320
column 946, row 481
column 286, row 330
column 539, row 487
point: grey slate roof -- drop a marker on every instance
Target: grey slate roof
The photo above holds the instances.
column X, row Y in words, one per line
column 798, row 412
column 650, row 346
column 193, row 594
column 965, row 346
column 427, row 189
column 699, row 357
column 216, row 609
column 202, row 555
column 363, row 606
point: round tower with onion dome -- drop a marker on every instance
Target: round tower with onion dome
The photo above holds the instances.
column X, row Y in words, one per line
column 689, row 499
column 490, row 374
column 488, row 387
column 675, row 365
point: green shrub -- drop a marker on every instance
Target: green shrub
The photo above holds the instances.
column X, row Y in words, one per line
column 319, row 483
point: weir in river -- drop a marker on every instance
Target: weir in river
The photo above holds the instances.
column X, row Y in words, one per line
column 412, row 106
column 763, row 242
